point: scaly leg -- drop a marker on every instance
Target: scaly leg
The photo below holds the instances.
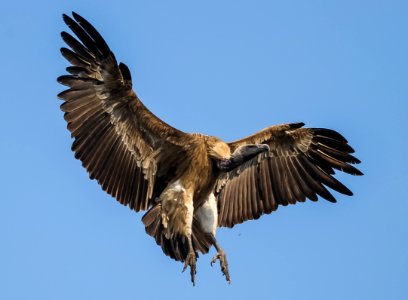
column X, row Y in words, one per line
column 222, row 257
column 191, row 260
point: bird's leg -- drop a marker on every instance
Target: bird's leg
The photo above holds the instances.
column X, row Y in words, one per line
column 191, row 260
column 222, row 257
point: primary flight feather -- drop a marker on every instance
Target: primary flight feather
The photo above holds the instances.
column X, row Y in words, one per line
column 190, row 184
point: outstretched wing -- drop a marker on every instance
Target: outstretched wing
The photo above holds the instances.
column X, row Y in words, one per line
column 119, row 141
column 299, row 165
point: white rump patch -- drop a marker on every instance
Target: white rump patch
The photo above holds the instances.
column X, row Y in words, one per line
column 207, row 215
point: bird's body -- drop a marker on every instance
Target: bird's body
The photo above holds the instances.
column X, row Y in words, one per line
column 187, row 192
column 189, row 184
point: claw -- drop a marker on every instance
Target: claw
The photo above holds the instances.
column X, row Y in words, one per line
column 214, row 260
column 191, row 262
column 221, row 256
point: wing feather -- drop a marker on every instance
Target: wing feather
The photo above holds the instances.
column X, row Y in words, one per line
column 303, row 188
column 268, row 180
column 232, row 203
column 299, row 165
column 296, row 194
column 119, row 141
column 237, row 213
column 242, row 203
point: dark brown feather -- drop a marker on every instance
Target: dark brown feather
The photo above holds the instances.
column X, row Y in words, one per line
column 74, row 58
column 114, row 132
column 299, row 166
column 77, row 47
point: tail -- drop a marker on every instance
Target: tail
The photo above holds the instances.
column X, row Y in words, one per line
column 176, row 247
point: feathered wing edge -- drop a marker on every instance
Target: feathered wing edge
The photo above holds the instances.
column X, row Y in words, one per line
column 299, row 165
column 118, row 140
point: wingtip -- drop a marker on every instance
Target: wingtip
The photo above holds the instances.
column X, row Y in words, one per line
column 359, row 173
column 75, row 15
column 67, row 20
column 356, row 160
column 60, row 79
column 65, row 17
column 329, row 197
column 65, row 79
column 353, row 171
column 59, row 95
column 347, row 192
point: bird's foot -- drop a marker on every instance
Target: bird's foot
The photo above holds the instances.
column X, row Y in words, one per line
column 191, row 262
column 223, row 263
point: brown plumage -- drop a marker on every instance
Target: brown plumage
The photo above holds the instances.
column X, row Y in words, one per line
column 188, row 183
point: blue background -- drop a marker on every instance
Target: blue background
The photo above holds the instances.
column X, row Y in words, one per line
column 224, row 68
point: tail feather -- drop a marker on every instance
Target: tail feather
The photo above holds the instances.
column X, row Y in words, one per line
column 177, row 246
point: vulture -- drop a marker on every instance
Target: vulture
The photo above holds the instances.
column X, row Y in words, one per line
column 188, row 183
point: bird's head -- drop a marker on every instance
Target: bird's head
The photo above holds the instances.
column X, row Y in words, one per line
column 241, row 155
column 250, row 151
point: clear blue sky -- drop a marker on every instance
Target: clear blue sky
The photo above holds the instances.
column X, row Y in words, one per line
column 225, row 68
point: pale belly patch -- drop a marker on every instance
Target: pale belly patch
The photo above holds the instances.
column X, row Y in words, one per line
column 207, row 215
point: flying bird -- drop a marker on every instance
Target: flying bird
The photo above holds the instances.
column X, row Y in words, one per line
column 189, row 183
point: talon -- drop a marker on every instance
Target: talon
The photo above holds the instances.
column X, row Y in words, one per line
column 214, row 260
column 223, row 263
column 191, row 262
